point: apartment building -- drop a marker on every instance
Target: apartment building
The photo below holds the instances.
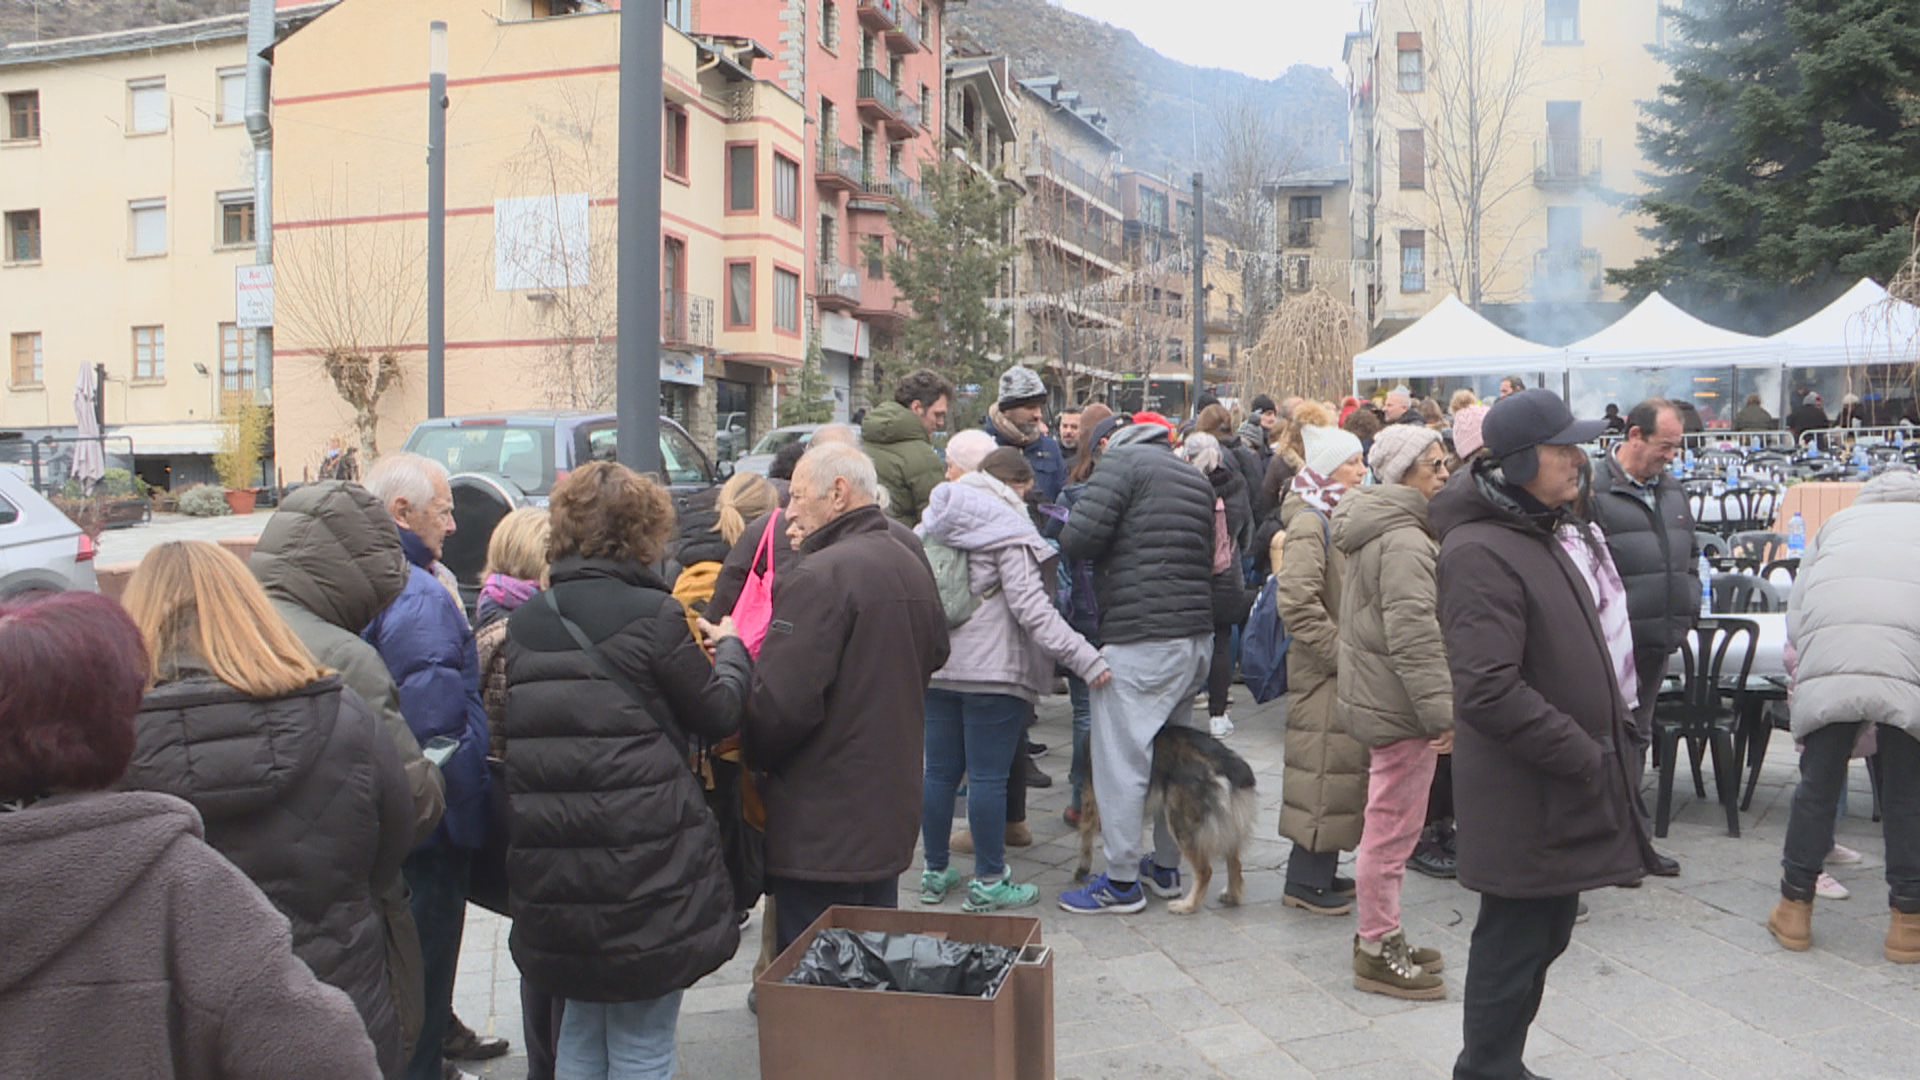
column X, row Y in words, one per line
column 532, row 217
column 126, row 183
column 869, row 74
column 1515, row 204
column 1313, row 231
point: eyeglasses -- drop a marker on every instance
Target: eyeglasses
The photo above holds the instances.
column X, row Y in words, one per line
column 1434, row 464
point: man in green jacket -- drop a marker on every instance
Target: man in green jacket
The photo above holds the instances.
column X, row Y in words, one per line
column 898, row 436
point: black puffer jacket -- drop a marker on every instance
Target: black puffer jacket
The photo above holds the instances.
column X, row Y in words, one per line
column 305, row 794
column 613, row 865
column 1231, row 488
column 1146, row 524
column 1248, row 462
column 1654, row 553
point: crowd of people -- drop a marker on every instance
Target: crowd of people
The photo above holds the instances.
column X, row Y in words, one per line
column 269, row 790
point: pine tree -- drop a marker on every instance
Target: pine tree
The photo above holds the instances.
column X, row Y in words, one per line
column 1786, row 150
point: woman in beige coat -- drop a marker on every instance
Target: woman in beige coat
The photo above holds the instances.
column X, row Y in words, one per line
column 1324, row 787
column 1396, row 694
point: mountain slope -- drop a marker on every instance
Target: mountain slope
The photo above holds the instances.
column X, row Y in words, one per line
column 43, row 20
column 1159, row 109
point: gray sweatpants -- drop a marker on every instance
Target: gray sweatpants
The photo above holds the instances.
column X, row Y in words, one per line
column 1153, row 685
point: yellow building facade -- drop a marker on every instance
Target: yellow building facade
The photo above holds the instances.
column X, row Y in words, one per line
column 531, row 218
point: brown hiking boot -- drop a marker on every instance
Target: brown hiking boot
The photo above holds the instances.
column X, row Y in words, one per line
column 1903, row 937
column 1392, row 972
column 1792, row 925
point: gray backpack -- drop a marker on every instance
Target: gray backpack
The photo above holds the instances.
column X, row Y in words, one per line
column 952, row 576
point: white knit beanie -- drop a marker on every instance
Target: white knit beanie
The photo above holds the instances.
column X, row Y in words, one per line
column 1328, row 448
column 1395, row 450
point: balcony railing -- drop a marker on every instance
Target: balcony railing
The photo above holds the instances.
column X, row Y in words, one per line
column 1565, row 161
column 880, row 15
column 1304, row 272
column 894, row 184
column 1566, row 272
column 686, row 319
column 836, row 285
column 1085, row 235
column 1304, row 233
column 909, row 116
column 908, row 33
column 878, row 93
column 1062, row 168
column 838, row 165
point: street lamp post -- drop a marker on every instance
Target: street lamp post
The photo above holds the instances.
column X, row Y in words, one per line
column 437, row 221
column 637, row 353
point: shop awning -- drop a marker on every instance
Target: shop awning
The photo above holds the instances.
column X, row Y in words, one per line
column 168, row 440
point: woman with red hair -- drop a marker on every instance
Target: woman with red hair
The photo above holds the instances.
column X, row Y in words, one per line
column 130, row 942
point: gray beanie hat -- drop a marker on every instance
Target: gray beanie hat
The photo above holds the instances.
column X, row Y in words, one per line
column 1395, row 450
column 1020, row 386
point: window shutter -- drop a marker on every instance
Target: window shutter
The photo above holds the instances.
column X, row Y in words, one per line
column 1413, row 158
column 1409, row 41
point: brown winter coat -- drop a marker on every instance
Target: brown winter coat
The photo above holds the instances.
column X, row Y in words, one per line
column 1540, row 728
column 1324, row 787
column 1393, row 680
column 837, row 713
column 135, row 950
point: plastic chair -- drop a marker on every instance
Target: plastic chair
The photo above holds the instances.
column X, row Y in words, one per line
column 1791, row 566
column 1713, row 547
column 1742, row 594
column 1749, row 508
column 1760, row 545
column 1698, row 493
column 1702, row 715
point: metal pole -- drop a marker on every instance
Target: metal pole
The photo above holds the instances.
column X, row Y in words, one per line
column 437, row 221
column 1199, row 291
column 637, row 353
column 260, row 35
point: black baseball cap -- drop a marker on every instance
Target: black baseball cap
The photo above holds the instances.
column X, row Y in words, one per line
column 1521, row 421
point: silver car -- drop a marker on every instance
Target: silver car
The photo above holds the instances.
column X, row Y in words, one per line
column 771, row 444
column 40, row 547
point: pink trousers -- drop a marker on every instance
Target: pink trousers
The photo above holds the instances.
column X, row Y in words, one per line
column 1397, row 783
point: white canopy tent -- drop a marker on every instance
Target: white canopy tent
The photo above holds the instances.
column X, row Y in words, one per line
column 1656, row 332
column 1864, row 326
column 1454, row 341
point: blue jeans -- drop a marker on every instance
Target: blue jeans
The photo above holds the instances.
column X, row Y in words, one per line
column 1082, row 767
column 437, row 875
column 976, row 735
column 626, row 1040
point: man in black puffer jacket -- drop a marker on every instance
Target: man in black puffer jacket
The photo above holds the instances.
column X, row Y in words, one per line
column 1146, row 524
column 1650, row 533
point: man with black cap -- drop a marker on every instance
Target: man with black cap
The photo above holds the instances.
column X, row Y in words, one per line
column 1015, row 419
column 1541, row 654
column 1257, row 431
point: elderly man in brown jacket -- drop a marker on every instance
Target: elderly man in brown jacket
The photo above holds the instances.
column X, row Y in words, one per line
column 836, row 716
column 1541, row 691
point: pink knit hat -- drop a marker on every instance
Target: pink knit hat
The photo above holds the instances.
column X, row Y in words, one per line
column 1466, row 430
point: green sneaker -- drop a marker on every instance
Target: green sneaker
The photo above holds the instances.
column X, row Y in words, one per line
column 935, row 884
column 999, row 895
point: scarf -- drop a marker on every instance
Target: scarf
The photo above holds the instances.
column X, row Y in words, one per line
column 1011, row 433
column 1609, row 593
column 1320, row 493
column 502, row 593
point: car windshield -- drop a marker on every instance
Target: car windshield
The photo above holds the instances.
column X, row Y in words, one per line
column 521, row 454
column 775, row 441
column 680, row 461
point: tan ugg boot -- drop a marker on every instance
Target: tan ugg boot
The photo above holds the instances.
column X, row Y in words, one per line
column 1792, row 924
column 1903, row 937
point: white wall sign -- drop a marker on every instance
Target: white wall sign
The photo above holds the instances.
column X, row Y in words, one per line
column 687, row 369
column 541, row 242
column 253, row 297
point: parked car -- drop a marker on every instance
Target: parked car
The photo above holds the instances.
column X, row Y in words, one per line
column 771, row 444
column 501, row 461
column 40, row 547
column 730, row 436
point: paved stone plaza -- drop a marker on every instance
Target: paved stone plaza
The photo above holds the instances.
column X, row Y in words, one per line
column 1678, row 979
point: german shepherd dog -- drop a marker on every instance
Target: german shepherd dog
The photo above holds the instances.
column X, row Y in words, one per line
column 1206, row 791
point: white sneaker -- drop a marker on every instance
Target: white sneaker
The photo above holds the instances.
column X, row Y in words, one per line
column 1220, row 726
column 1843, row 856
column 1827, row 888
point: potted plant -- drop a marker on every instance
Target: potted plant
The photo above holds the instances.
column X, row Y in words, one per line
column 242, row 440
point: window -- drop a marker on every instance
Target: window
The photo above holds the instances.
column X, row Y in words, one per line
column 829, row 25
column 743, row 165
column 236, row 219
column 786, row 188
column 23, row 114
column 1563, row 22
column 23, row 236
column 678, row 15
column 675, row 154
column 1413, row 158
column 146, row 106
column 1413, row 260
column 786, row 301
column 149, row 353
column 740, row 295
column 27, row 365
column 1303, row 208
column 148, row 232
column 1413, row 78
column 876, row 249
column 236, row 362
column 233, row 95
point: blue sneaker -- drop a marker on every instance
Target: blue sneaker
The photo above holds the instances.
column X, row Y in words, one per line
column 1101, row 897
column 1165, row 883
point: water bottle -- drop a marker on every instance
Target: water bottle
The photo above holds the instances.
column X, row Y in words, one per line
column 1689, row 460
column 1706, row 586
column 1733, row 475
column 1860, row 460
column 1797, row 536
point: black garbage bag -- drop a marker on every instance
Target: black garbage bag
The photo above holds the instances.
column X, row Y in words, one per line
column 870, row 960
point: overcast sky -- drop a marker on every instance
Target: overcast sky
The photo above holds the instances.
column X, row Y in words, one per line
column 1260, row 37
